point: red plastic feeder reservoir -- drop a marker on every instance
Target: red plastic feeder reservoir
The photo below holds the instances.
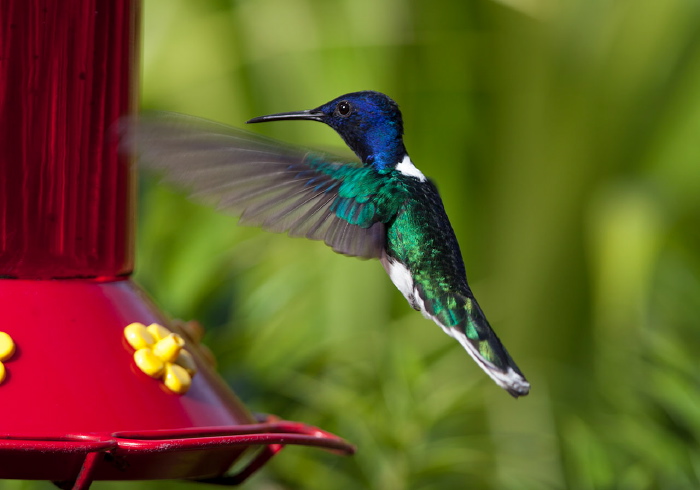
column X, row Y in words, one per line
column 79, row 404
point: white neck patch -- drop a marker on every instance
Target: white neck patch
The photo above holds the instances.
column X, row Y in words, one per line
column 406, row 167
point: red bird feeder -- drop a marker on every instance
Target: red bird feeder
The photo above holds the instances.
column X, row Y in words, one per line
column 78, row 404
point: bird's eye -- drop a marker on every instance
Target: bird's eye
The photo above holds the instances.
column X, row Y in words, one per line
column 344, row 108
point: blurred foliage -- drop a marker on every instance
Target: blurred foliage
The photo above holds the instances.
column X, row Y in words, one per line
column 563, row 136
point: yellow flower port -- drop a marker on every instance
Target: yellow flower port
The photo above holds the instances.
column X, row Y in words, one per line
column 160, row 354
column 7, row 349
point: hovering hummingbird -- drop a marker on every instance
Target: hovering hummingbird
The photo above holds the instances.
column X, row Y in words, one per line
column 381, row 207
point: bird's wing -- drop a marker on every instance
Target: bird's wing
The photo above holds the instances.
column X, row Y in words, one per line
column 279, row 187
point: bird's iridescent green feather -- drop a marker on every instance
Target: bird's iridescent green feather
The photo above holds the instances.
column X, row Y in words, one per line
column 421, row 238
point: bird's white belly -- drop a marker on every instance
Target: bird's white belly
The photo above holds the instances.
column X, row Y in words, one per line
column 402, row 279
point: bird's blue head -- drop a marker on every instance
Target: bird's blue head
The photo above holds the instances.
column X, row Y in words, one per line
column 369, row 122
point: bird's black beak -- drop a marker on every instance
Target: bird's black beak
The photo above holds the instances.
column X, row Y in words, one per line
column 310, row 115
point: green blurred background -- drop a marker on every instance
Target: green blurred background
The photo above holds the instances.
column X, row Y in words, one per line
column 564, row 136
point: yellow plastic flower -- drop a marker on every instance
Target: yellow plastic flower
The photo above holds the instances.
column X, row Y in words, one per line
column 7, row 348
column 160, row 354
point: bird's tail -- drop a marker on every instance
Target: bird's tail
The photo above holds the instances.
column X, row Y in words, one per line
column 476, row 336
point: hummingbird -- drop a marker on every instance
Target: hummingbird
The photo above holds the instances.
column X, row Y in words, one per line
column 381, row 207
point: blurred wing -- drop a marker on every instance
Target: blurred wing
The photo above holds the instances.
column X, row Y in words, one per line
column 267, row 183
